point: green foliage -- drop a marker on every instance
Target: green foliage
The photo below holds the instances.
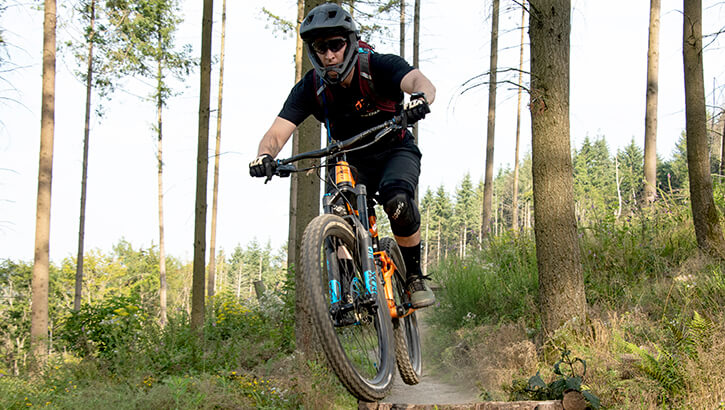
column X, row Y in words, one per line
column 630, row 165
column 114, row 323
column 279, row 24
column 496, row 284
column 147, row 28
column 620, row 259
column 594, row 182
column 567, row 379
column 663, row 362
column 15, row 297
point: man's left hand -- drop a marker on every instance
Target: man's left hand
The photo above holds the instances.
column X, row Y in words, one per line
column 416, row 109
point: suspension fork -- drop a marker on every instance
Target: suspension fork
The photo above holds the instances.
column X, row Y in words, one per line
column 367, row 257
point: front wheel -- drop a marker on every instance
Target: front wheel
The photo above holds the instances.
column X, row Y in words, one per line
column 407, row 337
column 348, row 310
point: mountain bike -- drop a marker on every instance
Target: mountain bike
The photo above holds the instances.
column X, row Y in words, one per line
column 355, row 282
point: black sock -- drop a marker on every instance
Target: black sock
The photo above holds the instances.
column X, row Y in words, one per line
column 411, row 258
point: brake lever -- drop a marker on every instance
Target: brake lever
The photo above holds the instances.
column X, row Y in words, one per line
column 285, row 170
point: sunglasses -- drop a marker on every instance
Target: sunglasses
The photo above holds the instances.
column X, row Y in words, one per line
column 334, row 45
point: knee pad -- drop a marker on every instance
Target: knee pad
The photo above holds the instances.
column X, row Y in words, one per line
column 403, row 214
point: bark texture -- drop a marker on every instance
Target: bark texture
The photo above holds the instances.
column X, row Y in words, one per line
column 515, row 200
column 41, row 263
column 704, row 213
column 160, row 198
column 561, row 282
column 308, row 205
column 650, row 118
column 491, row 125
column 84, row 173
column 202, row 166
column 211, row 278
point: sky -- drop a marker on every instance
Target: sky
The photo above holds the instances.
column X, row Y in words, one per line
column 607, row 97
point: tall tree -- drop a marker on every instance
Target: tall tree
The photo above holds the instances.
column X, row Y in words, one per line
column 293, row 228
column 561, row 280
column 90, row 38
column 215, row 189
column 202, row 168
column 650, row 118
column 704, row 213
column 148, row 27
column 466, row 210
column 308, row 196
column 402, row 28
column 630, row 160
column 593, row 179
column 96, row 70
column 41, row 264
column 416, row 50
column 515, row 200
column 721, row 123
column 491, row 128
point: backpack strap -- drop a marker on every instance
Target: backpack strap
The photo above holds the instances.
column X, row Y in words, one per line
column 323, row 95
column 367, row 86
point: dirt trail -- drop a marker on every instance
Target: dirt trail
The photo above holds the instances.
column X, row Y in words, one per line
column 432, row 388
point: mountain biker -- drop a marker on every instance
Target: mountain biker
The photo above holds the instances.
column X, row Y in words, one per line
column 332, row 93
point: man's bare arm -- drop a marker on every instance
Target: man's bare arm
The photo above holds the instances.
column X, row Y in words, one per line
column 415, row 81
column 275, row 138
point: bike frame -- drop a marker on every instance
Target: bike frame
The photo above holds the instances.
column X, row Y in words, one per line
column 361, row 214
column 363, row 217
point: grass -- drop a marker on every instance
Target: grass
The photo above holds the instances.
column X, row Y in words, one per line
column 654, row 335
column 117, row 358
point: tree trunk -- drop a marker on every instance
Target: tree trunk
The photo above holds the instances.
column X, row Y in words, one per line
column 619, row 192
column 84, row 175
column 438, row 247
column 217, row 151
column 704, row 213
column 308, row 196
column 488, row 182
column 239, row 279
column 722, row 141
column 292, row 232
column 41, row 264
column 561, row 282
column 202, row 169
column 402, row 28
column 416, row 51
column 160, row 182
column 515, row 200
column 650, row 118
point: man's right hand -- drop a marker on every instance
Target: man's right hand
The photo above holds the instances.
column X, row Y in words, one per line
column 263, row 166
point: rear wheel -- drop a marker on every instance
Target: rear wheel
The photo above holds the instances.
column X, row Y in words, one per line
column 353, row 324
column 405, row 330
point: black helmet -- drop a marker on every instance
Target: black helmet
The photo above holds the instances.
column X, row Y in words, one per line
column 329, row 20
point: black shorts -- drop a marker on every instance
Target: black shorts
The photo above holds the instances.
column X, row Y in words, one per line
column 392, row 169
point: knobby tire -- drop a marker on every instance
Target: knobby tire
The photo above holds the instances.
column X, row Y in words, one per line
column 405, row 330
column 362, row 353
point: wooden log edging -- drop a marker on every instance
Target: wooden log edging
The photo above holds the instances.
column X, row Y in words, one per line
column 488, row 405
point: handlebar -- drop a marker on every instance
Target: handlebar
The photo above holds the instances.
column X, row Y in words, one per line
column 285, row 167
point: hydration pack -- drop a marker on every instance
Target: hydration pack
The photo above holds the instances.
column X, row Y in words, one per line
column 365, row 79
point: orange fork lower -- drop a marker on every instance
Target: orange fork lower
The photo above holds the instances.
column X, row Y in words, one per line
column 388, row 268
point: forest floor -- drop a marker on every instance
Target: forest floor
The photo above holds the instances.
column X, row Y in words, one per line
column 434, row 387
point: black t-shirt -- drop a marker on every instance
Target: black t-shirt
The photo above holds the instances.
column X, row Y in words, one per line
column 349, row 113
